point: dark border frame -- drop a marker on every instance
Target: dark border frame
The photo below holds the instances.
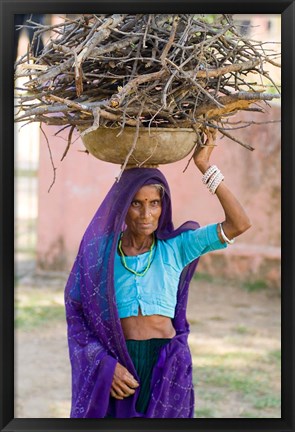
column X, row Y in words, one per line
column 7, row 10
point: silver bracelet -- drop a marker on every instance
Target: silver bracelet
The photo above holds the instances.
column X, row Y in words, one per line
column 218, row 179
column 212, row 178
column 208, row 173
column 227, row 240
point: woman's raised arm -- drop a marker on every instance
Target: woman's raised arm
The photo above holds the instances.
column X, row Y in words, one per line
column 236, row 220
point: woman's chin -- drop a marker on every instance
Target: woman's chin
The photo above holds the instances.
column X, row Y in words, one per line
column 146, row 229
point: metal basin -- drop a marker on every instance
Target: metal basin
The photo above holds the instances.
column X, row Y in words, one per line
column 154, row 146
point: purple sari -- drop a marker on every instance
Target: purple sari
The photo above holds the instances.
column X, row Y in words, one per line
column 95, row 337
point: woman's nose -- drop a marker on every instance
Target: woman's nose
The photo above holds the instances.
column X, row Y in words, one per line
column 146, row 211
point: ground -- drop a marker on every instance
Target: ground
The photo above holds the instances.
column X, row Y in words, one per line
column 235, row 344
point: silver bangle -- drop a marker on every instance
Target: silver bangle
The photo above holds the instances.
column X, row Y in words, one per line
column 227, row 240
column 208, row 173
column 212, row 178
column 218, row 179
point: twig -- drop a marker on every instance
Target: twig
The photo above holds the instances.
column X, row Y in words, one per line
column 118, row 98
column 51, row 159
column 69, row 142
column 70, row 104
column 95, row 70
column 195, row 83
column 132, row 147
column 247, row 146
column 96, row 115
column 146, row 31
column 170, row 40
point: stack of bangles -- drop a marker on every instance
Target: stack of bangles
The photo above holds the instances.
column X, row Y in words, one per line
column 212, row 178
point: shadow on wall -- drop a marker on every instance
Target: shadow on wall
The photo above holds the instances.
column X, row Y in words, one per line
column 55, row 258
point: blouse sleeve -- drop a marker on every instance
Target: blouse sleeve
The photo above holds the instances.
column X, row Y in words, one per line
column 195, row 243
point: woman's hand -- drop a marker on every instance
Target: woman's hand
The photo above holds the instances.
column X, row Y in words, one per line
column 124, row 384
column 202, row 154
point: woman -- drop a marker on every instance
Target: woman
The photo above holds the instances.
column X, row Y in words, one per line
column 127, row 293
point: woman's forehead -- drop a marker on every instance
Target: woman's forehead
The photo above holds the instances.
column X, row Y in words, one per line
column 147, row 192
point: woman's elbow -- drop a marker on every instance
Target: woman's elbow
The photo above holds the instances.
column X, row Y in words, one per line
column 243, row 226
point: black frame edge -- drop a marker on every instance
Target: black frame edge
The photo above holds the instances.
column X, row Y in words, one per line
column 7, row 421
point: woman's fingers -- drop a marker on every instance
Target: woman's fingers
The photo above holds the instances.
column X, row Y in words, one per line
column 211, row 133
column 131, row 381
column 123, row 390
column 122, row 375
column 124, row 384
column 115, row 395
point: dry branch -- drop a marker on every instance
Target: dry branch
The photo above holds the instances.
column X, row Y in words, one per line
column 97, row 69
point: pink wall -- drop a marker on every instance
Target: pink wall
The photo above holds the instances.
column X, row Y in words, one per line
column 82, row 182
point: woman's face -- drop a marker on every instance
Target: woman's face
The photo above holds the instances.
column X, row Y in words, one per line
column 143, row 215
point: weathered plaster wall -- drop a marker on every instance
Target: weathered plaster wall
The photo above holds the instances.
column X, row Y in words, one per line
column 255, row 177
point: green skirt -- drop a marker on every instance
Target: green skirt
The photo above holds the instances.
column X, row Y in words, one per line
column 144, row 354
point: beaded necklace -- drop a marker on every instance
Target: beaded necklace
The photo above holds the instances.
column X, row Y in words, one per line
column 124, row 260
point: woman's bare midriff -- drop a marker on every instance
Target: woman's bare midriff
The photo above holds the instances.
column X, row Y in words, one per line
column 143, row 327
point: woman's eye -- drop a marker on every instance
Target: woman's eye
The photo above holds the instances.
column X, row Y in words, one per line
column 135, row 203
column 155, row 203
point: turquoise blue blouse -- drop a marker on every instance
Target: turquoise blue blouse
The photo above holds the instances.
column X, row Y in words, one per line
column 156, row 291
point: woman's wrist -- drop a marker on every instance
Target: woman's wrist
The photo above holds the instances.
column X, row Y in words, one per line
column 212, row 178
column 203, row 166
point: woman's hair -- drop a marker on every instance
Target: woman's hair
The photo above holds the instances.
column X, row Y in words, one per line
column 160, row 188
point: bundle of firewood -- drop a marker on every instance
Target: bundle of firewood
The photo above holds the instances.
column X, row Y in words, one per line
column 171, row 71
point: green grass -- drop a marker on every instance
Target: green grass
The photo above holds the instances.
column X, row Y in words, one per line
column 37, row 308
column 275, row 356
column 237, row 376
column 267, row 401
column 242, row 330
column 28, row 317
column 249, row 388
column 203, row 412
column 253, row 286
column 203, row 277
column 232, row 379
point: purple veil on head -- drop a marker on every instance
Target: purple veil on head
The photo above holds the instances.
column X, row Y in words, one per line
column 95, row 337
